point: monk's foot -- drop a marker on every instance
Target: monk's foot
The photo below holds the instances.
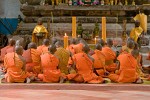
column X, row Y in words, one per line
column 139, row 81
column 28, row 80
column 105, row 81
column 3, row 80
column 37, row 79
column 62, row 80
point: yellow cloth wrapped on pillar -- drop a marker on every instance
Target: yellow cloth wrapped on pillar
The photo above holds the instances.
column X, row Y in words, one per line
column 143, row 21
column 135, row 33
column 39, row 29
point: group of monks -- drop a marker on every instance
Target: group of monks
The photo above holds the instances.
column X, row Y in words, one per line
column 52, row 63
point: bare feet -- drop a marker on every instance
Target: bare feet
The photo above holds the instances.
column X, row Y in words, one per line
column 62, row 79
column 28, row 80
column 139, row 81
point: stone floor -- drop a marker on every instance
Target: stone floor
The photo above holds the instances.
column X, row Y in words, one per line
column 74, row 92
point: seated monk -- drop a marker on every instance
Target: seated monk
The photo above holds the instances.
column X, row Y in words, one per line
column 117, row 46
column 49, row 64
column 129, row 46
column 32, row 57
column 110, row 56
column 63, row 56
column 15, row 67
column 139, row 61
column 39, row 29
column 19, row 43
column 71, row 46
column 83, row 66
column 127, row 72
column 79, row 47
column 7, row 49
column 43, row 48
column 53, row 40
column 99, row 61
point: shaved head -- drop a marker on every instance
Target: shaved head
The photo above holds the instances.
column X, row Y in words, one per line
column 73, row 41
column 54, row 40
column 12, row 42
column 19, row 43
column 40, row 21
column 109, row 42
column 59, row 44
column 19, row 50
column 99, row 47
column 32, row 45
column 102, row 42
column 46, row 42
column 130, row 44
column 135, row 53
column 52, row 49
column 86, row 48
column 137, row 23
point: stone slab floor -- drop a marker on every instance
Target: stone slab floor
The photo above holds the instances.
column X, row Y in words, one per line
column 74, row 92
column 21, row 94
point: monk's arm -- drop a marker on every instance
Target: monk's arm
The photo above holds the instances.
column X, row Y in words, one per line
column 118, row 65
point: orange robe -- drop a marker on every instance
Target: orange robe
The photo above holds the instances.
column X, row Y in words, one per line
column 78, row 48
column 63, row 56
column 42, row 49
column 125, row 49
column 14, row 67
column 84, row 70
column 5, row 50
column 99, row 62
column 110, row 56
column 139, row 66
column 49, row 65
column 127, row 72
column 71, row 48
column 32, row 57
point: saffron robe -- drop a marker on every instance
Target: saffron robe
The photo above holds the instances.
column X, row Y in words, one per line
column 110, row 56
column 39, row 29
column 33, row 59
column 42, row 49
column 78, row 48
column 127, row 72
column 14, row 68
column 63, row 56
column 71, row 49
column 99, row 62
column 135, row 33
column 84, row 70
column 5, row 50
column 49, row 66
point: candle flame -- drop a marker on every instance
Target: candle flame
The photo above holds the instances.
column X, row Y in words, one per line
column 95, row 38
column 65, row 34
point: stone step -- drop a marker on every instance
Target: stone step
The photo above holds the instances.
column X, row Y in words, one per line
column 82, row 19
column 99, row 10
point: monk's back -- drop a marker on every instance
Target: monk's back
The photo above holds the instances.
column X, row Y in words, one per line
column 42, row 49
column 109, row 53
column 35, row 56
column 99, row 59
column 49, row 61
column 83, row 63
column 13, row 62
